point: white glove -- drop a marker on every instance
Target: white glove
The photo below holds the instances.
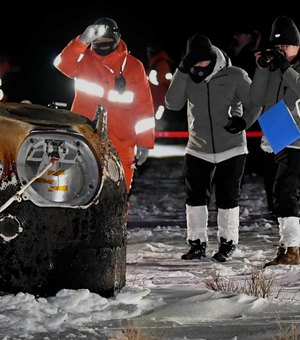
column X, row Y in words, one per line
column 141, row 155
column 91, row 33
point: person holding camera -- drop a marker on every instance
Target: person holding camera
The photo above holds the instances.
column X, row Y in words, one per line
column 106, row 74
column 218, row 111
column 278, row 77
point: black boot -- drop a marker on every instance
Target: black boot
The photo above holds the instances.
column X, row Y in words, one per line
column 226, row 248
column 196, row 251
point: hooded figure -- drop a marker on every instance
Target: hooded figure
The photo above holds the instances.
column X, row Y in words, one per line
column 199, row 48
column 218, row 111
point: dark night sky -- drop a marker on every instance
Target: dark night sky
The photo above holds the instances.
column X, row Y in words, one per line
column 33, row 39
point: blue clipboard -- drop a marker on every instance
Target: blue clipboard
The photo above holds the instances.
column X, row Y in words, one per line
column 279, row 126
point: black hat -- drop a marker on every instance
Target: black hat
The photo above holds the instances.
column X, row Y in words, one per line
column 284, row 32
column 199, row 48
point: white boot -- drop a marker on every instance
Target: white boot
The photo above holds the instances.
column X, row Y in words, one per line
column 228, row 233
column 289, row 231
column 228, row 224
column 197, row 219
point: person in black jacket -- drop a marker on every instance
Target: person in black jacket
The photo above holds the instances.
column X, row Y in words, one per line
column 278, row 77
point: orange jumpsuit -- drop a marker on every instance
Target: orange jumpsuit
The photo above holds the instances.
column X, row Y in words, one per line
column 130, row 118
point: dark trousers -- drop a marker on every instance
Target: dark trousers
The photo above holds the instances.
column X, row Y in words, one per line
column 269, row 172
column 287, row 182
column 227, row 176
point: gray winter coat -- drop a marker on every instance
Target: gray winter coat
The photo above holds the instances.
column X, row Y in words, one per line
column 209, row 104
column 268, row 88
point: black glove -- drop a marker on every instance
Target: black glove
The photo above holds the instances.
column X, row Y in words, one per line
column 279, row 62
column 187, row 62
column 183, row 67
column 235, row 124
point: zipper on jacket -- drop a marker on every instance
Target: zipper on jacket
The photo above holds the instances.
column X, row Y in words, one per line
column 278, row 91
column 210, row 119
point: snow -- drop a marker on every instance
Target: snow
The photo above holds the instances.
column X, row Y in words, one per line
column 166, row 297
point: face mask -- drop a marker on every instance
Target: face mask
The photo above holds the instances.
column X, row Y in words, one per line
column 100, row 49
column 199, row 73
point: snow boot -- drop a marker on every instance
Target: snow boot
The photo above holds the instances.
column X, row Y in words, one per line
column 289, row 231
column 196, row 220
column 226, row 248
column 289, row 255
column 196, row 251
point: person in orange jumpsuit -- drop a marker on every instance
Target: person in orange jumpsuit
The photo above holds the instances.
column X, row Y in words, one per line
column 106, row 74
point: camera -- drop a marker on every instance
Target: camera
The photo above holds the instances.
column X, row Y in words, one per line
column 266, row 57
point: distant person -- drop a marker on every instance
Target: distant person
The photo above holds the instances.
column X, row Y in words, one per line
column 105, row 73
column 219, row 111
column 245, row 42
column 278, row 78
column 4, row 68
column 159, row 72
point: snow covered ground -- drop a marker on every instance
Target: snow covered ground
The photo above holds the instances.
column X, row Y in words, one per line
column 166, row 297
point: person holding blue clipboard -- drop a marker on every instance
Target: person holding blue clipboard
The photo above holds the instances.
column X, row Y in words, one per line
column 276, row 87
